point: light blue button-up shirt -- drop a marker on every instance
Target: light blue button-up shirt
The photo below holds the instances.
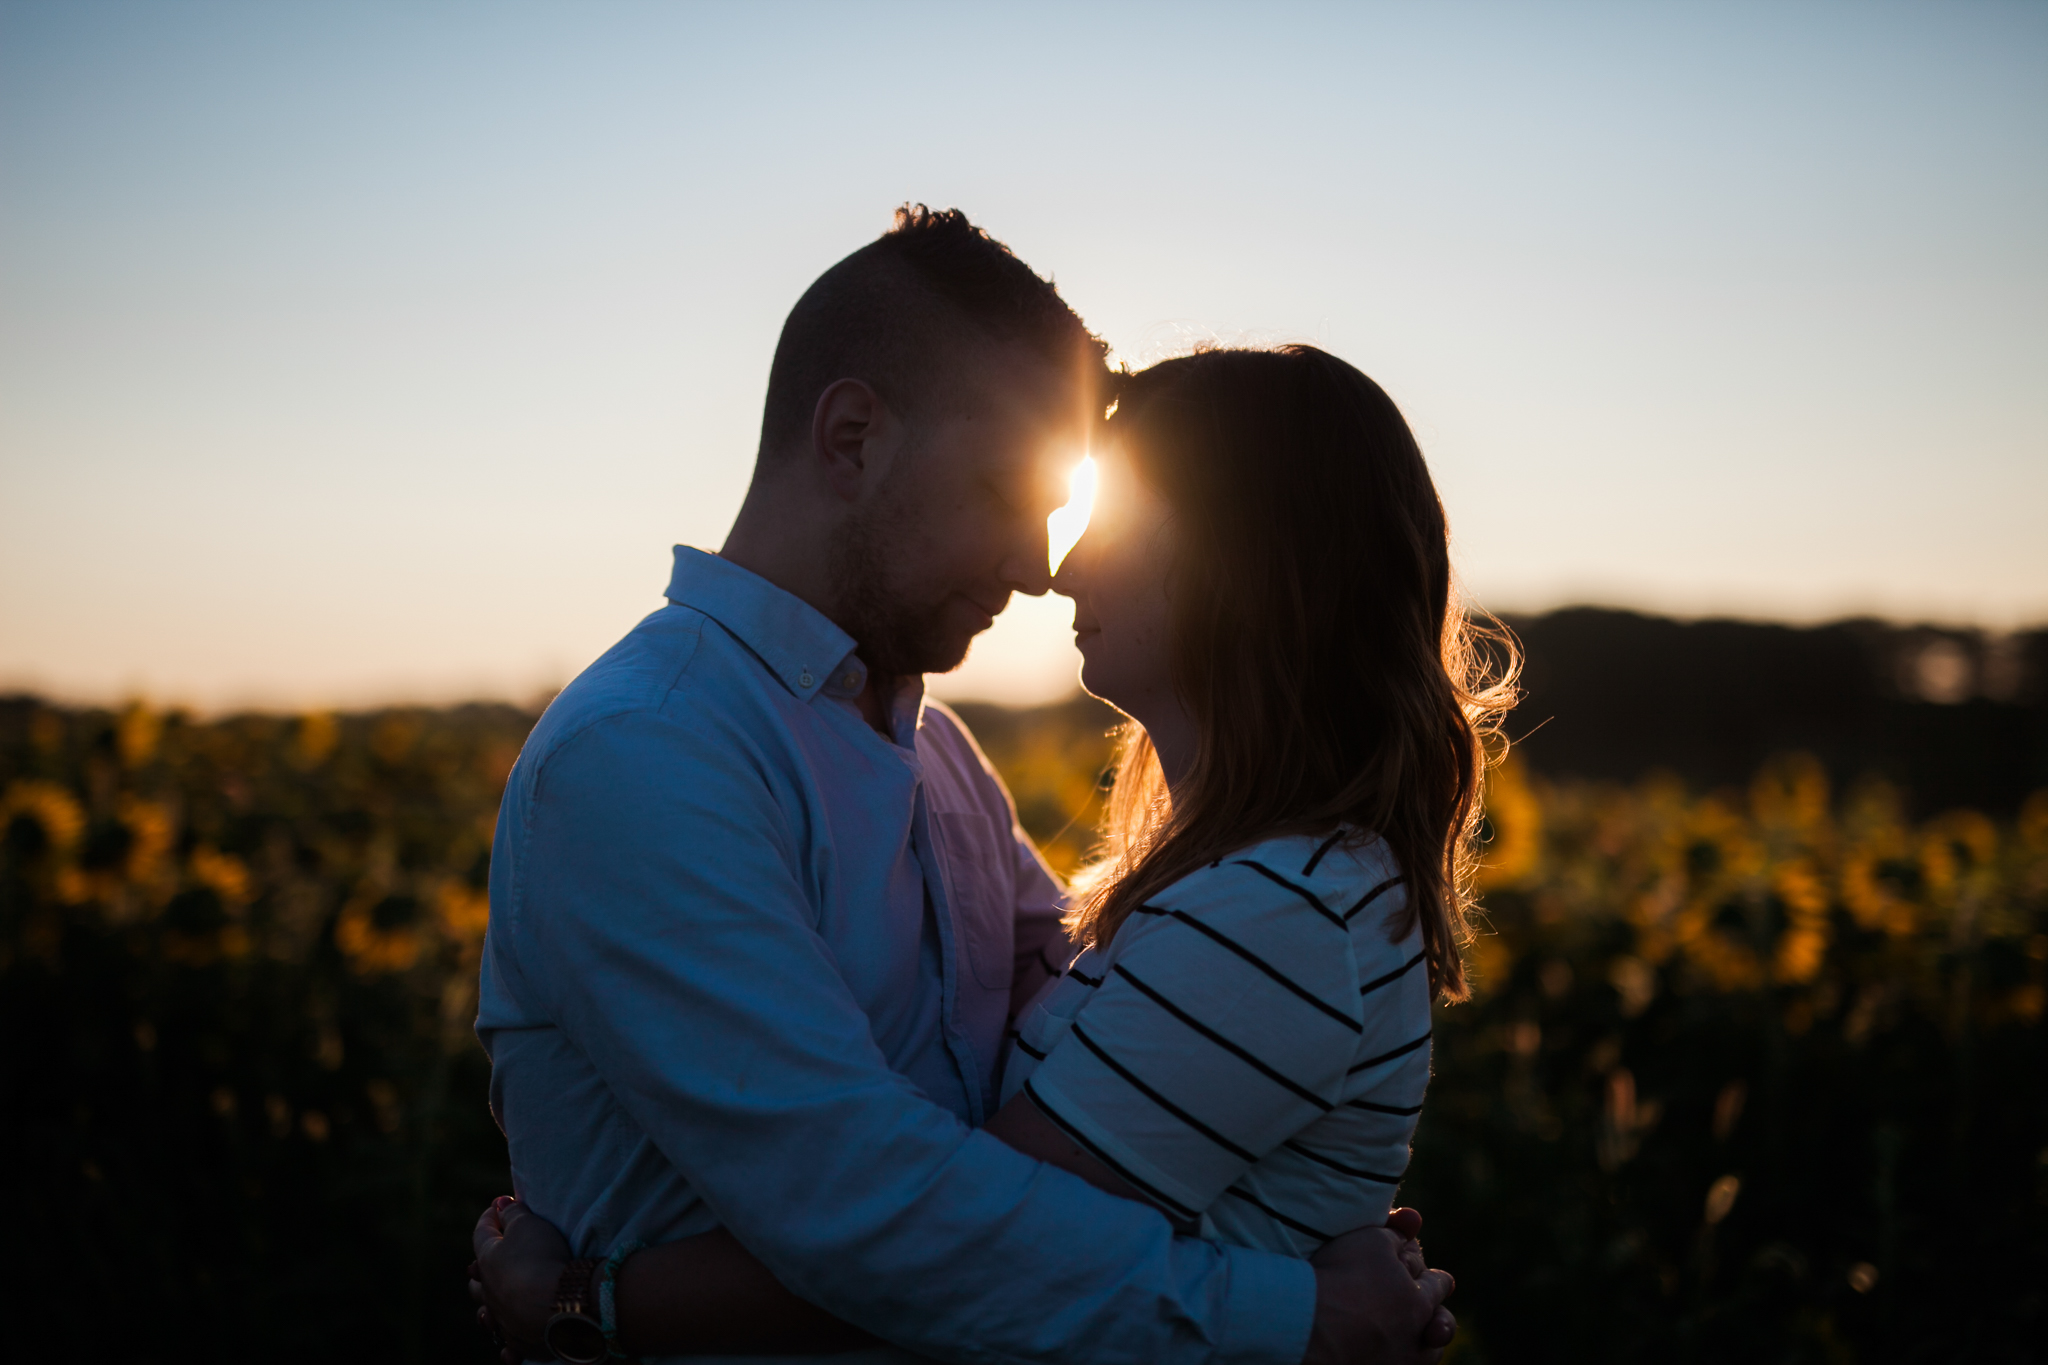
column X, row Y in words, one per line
column 750, row 963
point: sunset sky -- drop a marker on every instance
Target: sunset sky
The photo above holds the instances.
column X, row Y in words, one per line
column 362, row 352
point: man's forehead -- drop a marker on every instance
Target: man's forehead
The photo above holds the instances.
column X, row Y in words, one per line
column 1036, row 398
column 1017, row 380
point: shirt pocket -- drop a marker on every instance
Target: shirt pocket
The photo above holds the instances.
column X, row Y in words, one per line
column 977, row 869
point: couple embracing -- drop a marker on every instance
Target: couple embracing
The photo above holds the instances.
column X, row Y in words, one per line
column 800, row 1048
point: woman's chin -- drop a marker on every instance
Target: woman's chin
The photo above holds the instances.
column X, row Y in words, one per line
column 1097, row 687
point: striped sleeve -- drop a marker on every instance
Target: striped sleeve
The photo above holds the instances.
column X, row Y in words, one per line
column 1225, row 1022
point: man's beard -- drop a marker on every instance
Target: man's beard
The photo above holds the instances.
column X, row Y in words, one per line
column 896, row 635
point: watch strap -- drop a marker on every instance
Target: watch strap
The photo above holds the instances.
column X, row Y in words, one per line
column 573, row 1289
column 607, row 1300
column 574, row 1334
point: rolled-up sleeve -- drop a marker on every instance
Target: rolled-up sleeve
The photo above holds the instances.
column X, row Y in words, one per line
column 665, row 927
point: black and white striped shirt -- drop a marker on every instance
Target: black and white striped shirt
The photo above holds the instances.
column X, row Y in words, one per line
column 1252, row 1049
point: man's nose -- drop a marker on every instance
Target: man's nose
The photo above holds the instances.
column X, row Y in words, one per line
column 1026, row 570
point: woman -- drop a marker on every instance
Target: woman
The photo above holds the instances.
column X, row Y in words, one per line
column 1244, row 1040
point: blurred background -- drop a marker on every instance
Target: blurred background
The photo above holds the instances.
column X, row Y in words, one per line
column 360, row 363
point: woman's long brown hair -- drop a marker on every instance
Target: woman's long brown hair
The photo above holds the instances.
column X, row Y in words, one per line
column 1315, row 642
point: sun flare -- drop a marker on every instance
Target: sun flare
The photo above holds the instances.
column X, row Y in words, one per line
column 1064, row 527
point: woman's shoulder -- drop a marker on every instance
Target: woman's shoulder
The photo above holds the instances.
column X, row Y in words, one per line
column 1304, row 868
column 1346, row 878
column 1290, row 907
column 1294, row 885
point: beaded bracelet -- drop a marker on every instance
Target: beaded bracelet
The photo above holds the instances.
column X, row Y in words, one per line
column 607, row 1299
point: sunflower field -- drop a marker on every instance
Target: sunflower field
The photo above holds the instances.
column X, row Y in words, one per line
column 1748, row 1074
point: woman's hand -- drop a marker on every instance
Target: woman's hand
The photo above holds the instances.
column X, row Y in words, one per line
column 1407, row 1225
column 519, row 1260
column 1370, row 1310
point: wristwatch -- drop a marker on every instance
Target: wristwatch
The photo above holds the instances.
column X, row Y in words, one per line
column 574, row 1333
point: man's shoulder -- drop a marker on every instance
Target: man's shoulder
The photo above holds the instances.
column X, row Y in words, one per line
column 636, row 674
column 637, row 683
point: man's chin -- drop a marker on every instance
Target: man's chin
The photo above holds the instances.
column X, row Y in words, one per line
column 931, row 651
column 944, row 658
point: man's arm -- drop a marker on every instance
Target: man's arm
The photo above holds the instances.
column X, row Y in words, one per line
column 658, row 917
column 708, row 1295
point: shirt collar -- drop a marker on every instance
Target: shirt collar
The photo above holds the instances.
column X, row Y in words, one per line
column 800, row 646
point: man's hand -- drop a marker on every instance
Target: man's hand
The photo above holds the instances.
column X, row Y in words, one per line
column 519, row 1260
column 1371, row 1306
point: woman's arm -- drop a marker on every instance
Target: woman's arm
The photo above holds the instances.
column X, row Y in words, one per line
column 702, row 1295
column 708, row 1295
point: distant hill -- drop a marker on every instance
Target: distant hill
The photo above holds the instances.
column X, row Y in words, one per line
column 1954, row 717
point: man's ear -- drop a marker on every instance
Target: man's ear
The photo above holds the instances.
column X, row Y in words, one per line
column 847, row 429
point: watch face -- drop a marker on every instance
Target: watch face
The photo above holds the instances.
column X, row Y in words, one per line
column 575, row 1339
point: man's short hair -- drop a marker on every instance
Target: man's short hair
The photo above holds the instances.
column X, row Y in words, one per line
column 896, row 313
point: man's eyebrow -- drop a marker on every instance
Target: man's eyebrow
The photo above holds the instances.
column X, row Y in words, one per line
column 1041, row 476
column 1022, row 489
column 1006, row 491
column 1020, row 459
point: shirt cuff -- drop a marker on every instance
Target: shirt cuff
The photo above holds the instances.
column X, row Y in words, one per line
column 1269, row 1306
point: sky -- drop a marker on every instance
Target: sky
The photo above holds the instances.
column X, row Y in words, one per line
column 366, row 352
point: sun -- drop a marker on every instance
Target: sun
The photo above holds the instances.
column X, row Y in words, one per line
column 1064, row 527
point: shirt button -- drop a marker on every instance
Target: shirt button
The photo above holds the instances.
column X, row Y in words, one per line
column 852, row 680
column 804, row 678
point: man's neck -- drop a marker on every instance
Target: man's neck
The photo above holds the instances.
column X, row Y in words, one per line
column 812, row 588
column 875, row 696
column 764, row 545
column 782, row 546
column 879, row 689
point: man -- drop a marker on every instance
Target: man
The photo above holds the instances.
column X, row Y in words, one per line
column 760, row 914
